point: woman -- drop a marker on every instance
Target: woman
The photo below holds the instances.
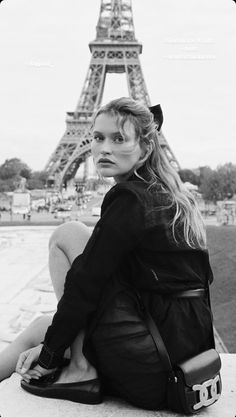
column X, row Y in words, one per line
column 150, row 235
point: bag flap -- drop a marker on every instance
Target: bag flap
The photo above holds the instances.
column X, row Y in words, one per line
column 200, row 368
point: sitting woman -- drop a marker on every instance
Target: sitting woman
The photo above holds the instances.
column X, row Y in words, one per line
column 151, row 237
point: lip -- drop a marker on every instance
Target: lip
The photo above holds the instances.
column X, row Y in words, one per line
column 105, row 161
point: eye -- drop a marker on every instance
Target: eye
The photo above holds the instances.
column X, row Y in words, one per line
column 119, row 139
column 97, row 138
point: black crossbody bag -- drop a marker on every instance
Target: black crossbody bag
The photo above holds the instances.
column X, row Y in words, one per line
column 195, row 383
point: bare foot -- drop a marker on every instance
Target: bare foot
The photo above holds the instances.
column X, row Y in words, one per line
column 69, row 375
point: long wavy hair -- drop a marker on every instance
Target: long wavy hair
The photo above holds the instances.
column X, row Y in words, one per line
column 160, row 169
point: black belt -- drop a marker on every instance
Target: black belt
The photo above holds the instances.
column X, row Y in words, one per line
column 200, row 292
column 197, row 293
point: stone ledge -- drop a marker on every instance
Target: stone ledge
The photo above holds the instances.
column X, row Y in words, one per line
column 15, row 402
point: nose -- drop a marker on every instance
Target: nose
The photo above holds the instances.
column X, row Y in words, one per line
column 106, row 146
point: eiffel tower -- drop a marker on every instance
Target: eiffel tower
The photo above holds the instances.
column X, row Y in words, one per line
column 115, row 50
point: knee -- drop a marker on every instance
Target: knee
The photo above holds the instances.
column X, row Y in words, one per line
column 58, row 235
column 68, row 232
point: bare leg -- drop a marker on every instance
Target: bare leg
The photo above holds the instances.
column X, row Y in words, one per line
column 66, row 243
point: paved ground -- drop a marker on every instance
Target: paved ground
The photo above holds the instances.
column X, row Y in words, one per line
column 23, row 262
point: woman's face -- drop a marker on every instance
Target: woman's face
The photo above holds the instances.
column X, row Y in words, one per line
column 122, row 153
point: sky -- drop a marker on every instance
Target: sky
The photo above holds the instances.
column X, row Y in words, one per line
column 188, row 62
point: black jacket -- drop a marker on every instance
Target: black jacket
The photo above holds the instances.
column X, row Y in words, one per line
column 134, row 238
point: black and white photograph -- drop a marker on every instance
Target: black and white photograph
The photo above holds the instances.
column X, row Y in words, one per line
column 117, row 208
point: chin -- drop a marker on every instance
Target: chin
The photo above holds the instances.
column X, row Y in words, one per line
column 106, row 175
column 107, row 172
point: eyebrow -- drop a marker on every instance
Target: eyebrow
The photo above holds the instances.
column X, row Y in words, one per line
column 112, row 134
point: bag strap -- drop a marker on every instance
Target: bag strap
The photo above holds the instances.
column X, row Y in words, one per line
column 156, row 336
column 209, row 303
column 209, row 280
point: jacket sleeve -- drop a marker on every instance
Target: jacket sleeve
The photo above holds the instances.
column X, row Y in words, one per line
column 117, row 233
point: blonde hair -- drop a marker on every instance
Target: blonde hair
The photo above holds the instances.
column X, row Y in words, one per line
column 160, row 169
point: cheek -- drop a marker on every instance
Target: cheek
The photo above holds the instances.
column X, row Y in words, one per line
column 94, row 148
column 129, row 151
column 128, row 159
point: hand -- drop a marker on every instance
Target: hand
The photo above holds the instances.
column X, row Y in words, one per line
column 27, row 358
column 25, row 362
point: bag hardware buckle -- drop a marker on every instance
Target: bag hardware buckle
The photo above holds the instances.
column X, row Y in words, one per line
column 204, row 397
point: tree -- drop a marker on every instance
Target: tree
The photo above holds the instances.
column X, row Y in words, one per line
column 7, row 185
column 25, row 173
column 203, row 173
column 227, row 176
column 210, row 187
column 187, row 175
column 12, row 171
column 38, row 180
column 219, row 184
column 13, row 167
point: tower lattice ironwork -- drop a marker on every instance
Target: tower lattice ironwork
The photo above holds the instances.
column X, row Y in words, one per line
column 115, row 50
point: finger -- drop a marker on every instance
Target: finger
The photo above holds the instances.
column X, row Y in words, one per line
column 23, row 370
column 30, row 374
column 27, row 363
column 21, row 361
column 35, row 377
column 34, row 374
column 44, row 371
column 26, row 378
column 41, row 370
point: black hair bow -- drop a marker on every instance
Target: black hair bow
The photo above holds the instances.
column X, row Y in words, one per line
column 158, row 115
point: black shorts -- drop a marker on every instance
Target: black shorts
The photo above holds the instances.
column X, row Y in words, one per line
column 121, row 348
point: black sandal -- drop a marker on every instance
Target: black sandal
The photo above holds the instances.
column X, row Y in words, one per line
column 86, row 392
